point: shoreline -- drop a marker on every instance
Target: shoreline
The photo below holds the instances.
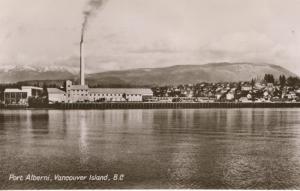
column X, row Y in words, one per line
column 156, row 105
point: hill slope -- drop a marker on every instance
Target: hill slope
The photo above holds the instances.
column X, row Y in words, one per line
column 185, row 74
column 180, row 74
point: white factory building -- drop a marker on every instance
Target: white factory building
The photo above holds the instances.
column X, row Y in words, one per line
column 82, row 93
column 56, row 95
column 20, row 96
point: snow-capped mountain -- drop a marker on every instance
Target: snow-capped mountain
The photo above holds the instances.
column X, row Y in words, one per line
column 25, row 73
column 180, row 74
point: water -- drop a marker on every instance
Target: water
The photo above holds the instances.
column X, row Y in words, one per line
column 201, row 148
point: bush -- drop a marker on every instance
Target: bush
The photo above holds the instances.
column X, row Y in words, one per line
column 37, row 102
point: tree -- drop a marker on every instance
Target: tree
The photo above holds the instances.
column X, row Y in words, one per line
column 124, row 96
column 252, row 89
column 293, row 81
column 37, row 102
column 252, row 83
column 45, row 92
column 269, row 78
column 239, row 86
column 282, row 80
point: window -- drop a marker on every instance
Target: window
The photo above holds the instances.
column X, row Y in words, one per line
column 24, row 95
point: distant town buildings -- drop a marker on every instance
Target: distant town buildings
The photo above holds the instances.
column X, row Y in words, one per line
column 260, row 91
column 228, row 92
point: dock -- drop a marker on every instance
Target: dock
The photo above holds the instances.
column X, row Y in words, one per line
column 156, row 105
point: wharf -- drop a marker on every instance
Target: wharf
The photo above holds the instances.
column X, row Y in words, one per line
column 173, row 105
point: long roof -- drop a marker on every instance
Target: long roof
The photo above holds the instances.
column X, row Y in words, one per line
column 13, row 90
column 142, row 91
column 79, row 87
column 31, row 87
column 55, row 91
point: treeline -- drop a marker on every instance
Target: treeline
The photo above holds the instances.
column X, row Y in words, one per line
column 282, row 80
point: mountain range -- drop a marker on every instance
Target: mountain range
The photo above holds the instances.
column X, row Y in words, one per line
column 179, row 74
column 22, row 73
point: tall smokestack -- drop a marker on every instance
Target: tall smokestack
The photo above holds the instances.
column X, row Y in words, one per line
column 82, row 64
column 93, row 6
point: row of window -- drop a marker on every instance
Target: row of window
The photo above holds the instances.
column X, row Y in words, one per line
column 79, row 90
column 77, row 95
column 104, row 95
column 22, row 95
column 114, row 94
column 101, row 95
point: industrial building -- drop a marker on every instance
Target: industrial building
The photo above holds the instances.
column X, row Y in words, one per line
column 82, row 93
column 20, row 96
column 56, row 95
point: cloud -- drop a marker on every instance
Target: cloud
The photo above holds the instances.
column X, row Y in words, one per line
column 142, row 33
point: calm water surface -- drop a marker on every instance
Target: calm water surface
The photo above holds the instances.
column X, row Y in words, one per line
column 201, row 148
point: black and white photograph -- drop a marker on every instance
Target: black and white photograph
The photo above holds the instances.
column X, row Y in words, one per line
column 149, row 94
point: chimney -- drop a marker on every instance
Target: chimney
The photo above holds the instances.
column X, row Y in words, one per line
column 82, row 65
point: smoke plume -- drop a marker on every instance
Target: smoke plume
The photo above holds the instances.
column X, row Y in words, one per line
column 93, row 6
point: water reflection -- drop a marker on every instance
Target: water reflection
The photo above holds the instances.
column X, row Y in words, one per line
column 186, row 148
column 83, row 145
column 39, row 122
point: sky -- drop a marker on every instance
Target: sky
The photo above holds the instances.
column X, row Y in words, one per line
column 126, row 34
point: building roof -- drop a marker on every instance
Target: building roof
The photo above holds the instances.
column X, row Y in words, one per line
column 55, row 91
column 31, row 87
column 141, row 91
column 79, row 87
column 13, row 90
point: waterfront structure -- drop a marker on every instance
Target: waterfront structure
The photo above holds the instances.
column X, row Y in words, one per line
column 32, row 91
column 82, row 93
column 15, row 96
column 20, row 96
column 56, row 95
column 76, row 93
column 119, row 94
